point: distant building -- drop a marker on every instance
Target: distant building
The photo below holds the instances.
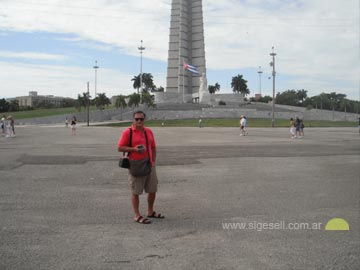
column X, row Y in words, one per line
column 258, row 97
column 33, row 98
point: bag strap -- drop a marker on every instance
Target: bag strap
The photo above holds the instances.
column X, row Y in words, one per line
column 130, row 142
column 147, row 143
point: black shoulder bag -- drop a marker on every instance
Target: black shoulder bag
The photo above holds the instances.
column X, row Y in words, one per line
column 124, row 160
column 141, row 167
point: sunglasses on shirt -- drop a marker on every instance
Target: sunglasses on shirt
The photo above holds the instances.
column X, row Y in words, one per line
column 139, row 119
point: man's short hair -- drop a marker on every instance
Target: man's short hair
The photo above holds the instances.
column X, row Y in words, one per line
column 139, row 112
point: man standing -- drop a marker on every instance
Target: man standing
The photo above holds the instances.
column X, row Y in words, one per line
column 243, row 122
column 141, row 145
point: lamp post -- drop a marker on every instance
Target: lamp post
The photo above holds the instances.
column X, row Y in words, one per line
column 260, row 72
column 272, row 63
column 88, row 104
column 96, row 68
column 141, row 49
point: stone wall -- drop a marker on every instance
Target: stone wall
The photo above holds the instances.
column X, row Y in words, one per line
column 207, row 112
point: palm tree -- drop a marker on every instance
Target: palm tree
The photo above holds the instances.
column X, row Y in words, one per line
column 239, row 85
column 136, row 83
column 147, row 81
column 82, row 101
column 102, row 100
column 134, row 100
column 147, row 99
column 120, row 103
column 214, row 88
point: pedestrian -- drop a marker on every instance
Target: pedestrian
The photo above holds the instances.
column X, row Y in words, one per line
column 12, row 125
column 301, row 128
column 292, row 128
column 297, row 127
column 139, row 142
column 9, row 127
column 3, row 119
column 73, row 126
column 243, row 122
column 200, row 123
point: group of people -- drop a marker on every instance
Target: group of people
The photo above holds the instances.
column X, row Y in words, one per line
column 296, row 128
column 8, row 126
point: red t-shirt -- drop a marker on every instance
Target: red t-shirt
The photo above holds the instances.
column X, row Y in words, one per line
column 138, row 137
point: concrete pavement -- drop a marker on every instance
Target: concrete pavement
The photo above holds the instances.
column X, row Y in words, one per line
column 64, row 203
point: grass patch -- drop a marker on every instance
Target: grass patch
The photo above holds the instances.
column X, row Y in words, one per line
column 45, row 112
column 220, row 122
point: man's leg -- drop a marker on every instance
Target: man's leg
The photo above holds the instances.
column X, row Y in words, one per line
column 135, row 203
column 151, row 200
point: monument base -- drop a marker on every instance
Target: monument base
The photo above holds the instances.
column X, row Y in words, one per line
column 214, row 99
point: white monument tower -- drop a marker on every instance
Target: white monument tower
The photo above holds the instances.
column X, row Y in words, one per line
column 187, row 46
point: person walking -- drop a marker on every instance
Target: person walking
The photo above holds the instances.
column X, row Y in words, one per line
column 3, row 120
column 292, row 128
column 73, row 126
column 243, row 122
column 139, row 142
column 301, row 128
column 297, row 127
column 12, row 125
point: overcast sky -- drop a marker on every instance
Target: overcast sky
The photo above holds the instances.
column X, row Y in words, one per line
column 50, row 46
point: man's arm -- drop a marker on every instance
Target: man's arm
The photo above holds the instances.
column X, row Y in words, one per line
column 154, row 154
column 127, row 149
column 123, row 144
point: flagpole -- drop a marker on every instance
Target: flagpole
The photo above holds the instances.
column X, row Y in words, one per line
column 183, row 85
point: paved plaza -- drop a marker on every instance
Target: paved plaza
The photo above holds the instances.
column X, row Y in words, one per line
column 65, row 204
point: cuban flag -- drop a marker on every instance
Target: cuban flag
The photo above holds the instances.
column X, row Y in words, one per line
column 191, row 68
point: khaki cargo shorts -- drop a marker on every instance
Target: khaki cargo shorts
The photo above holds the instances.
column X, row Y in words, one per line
column 140, row 183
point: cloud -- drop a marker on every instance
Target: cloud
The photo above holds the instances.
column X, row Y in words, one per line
column 32, row 55
column 315, row 41
column 62, row 80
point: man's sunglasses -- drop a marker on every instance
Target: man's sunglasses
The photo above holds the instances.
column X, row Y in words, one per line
column 139, row 119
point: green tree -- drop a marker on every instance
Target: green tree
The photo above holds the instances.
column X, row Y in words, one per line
column 265, row 99
column 302, row 95
column 134, row 100
column 147, row 99
column 101, row 101
column 239, row 85
column 121, row 103
column 82, row 101
column 160, row 89
column 14, row 105
column 67, row 102
column 136, row 82
column 147, row 80
column 289, row 97
column 4, row 105
column 214, row 88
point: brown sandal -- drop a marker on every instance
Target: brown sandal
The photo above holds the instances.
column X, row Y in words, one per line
column 143, row 220
column 156, row 215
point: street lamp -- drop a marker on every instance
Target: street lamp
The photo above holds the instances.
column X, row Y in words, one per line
column 88, row 104
column 141, row 49
column 260, row 72
column 96, row 68
column 272, row 64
